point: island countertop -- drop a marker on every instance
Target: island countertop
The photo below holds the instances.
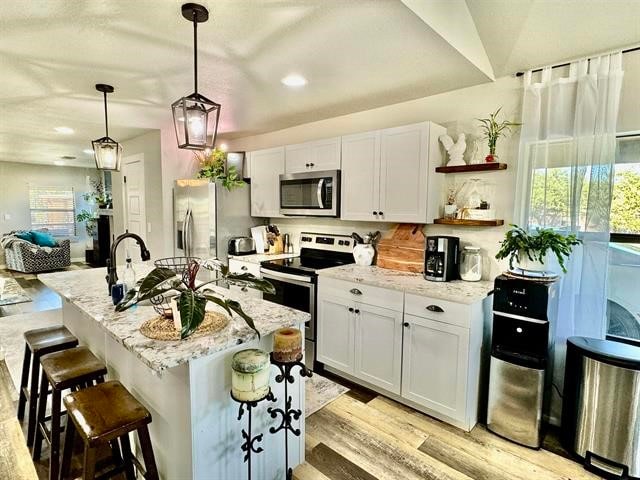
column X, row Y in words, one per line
column 455, row 291
column 87, row 289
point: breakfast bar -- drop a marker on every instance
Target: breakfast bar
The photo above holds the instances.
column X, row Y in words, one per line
column 185, row 384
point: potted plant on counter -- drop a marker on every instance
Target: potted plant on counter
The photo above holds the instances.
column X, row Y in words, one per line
column 529, row 250
column 213, row 166
column 191, row 297
column 492, row 131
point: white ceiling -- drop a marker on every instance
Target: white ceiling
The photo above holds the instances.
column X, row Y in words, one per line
column 356, row 55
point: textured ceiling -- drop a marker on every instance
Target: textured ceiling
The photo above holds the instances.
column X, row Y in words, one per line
column 356, row 55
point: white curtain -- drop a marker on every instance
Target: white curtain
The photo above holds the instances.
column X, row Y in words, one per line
column 565, row 179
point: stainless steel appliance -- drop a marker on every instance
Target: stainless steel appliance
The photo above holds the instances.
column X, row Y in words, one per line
column 310, row 193
column 524, row 313
column 241, row 246
column 601, row 406
column 206, row 216
column 295, row 279
column 441, row 258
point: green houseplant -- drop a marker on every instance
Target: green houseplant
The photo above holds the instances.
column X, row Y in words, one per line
column 524, row 247
column 192, row 299
column 492, row 131
column 212, row 166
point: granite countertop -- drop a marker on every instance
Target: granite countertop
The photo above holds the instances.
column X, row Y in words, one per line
column 456, row 291
column 87, row 290
column 258, row 258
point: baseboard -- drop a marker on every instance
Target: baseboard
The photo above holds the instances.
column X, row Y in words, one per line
column 78, row 259
column 3, row 266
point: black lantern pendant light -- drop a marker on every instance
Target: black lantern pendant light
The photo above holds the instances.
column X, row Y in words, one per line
column 195, row 117
column 107, row 152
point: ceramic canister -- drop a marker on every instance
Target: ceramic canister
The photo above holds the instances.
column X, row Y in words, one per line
column 250, row 375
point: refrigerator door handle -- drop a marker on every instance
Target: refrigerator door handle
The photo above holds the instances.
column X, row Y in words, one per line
column 319, row 192
column 184, row 233
column 188, row 234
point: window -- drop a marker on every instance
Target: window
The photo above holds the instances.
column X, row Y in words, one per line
column 53, row 208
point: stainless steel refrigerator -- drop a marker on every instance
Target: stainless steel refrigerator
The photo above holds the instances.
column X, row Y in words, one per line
column 206, row 215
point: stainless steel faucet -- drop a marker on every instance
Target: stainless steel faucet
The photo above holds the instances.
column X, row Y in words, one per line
column 112, row 275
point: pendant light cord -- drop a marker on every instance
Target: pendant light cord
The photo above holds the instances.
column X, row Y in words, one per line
column 195, row 51
column 106, row 122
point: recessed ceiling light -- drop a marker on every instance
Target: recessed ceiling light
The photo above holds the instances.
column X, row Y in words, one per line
column 88, row 151
column 294, row 80
column 64, row 130
column 58, row 163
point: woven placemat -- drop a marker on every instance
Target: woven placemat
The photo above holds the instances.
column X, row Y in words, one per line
column 159, row 328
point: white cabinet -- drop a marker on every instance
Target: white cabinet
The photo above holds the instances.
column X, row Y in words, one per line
column 434, row 368
column 240, row 266
column 313, row 156
column 336, row 326
column 389, row 175
column 266, row 167
column 378, row 346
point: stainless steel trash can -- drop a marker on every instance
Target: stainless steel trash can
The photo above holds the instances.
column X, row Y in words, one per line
column 601, row 406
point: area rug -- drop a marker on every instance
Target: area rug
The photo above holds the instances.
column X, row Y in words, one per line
column 11, row 292
column 319, row 392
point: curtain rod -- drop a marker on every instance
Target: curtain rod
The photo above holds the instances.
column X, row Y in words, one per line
column 519, row 74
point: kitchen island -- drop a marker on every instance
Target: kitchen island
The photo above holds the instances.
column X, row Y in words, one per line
column 185, row 384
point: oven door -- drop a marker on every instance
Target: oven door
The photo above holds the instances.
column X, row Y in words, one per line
column 310, row 194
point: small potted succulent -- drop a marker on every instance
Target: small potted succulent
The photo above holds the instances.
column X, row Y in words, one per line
column 529, row 250
column 190, row 297
column 492, row 131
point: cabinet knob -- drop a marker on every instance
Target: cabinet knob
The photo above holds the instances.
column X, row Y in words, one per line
column 406, row 324
column 380, row 213
column 435, row 308
column 375, row 213
column 350, row 309
column 355, row 291
column 357, row 311
column 312, row 164
column 244, row 267
column 307, row 165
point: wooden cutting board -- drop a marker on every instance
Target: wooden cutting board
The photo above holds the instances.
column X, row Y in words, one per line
column 403, row 250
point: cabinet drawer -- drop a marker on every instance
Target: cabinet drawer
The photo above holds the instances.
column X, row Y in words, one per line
column 379, row 297
column 440, row 310
column 238, row 266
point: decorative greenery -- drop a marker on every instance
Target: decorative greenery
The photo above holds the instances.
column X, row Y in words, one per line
column 493, row 130
column 90, row 221
column 192, row 298
column 212, row 166
column 519, row 242
column 99, row 196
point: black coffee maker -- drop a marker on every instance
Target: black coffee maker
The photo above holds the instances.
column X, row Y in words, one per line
column 441, row 258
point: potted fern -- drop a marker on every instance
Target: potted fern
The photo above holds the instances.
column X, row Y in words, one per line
column 529, row 250
column 492, row 131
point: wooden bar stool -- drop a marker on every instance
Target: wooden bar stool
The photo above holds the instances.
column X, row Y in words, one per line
column 106, row 413
column 38, row 342
column 74, row 368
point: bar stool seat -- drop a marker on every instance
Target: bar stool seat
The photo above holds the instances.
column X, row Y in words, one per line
column 102, row 414
column 38, row 342
column 69, row 369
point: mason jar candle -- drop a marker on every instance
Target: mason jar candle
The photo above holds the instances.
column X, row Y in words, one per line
column 287, row 345
column 250, row 375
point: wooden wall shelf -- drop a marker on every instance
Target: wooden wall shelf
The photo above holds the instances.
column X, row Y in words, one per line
column 476, row 167
column 469, row 223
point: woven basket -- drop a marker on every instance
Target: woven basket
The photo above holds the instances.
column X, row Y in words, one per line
column 159, row 328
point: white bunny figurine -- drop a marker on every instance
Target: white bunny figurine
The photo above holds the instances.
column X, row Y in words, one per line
column 455, row 150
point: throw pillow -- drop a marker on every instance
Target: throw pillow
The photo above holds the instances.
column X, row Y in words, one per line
column 25, row 236
column 43, row 239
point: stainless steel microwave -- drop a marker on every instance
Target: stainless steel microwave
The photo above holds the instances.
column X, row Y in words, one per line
column 314, row 194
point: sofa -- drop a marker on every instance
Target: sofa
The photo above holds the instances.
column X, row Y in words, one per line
column 23, row 256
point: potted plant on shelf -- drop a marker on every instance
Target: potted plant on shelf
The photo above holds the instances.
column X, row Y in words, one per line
column 492, row 131
column 529, row 250
column 212, row 166
column 192, row 298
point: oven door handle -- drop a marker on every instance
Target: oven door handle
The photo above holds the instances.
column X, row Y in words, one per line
column 286, row 277
column 319, row 192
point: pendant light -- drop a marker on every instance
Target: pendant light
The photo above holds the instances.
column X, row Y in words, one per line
column 107, row 152
column 195, row 117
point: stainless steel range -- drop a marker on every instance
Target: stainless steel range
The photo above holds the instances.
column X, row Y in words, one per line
column 295, row 279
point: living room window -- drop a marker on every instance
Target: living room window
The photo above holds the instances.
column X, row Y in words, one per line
column 53, row 208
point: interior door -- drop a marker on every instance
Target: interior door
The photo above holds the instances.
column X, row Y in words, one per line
column 360, row 176
column 135, row 220
column 404, row 162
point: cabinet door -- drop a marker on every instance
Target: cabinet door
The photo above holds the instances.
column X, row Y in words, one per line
column 335, row 333
column 325, row 154
column 404, row 162
column 297, row 158
column 434, row 366
column 378, row 340
column 266, row 167
column 360, row 176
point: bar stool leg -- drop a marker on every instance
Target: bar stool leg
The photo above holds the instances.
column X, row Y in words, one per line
column 126, row 457
column 147, row 454
column 54, row 454
column 89, row 464
column 69, row 437
column 24, row 381
column 33, row 399
column 41, row 414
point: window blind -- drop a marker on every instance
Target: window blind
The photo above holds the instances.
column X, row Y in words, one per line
column 53, row 208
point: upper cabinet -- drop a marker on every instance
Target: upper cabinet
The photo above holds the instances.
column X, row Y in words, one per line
column 266, row 167
column 313, row 156
column 388, row 175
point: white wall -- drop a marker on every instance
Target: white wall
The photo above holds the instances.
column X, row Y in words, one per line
column 14, row 196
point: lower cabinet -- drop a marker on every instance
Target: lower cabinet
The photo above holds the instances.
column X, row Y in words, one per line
column 336, row 328
column 240, row 266
column 434, row 367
